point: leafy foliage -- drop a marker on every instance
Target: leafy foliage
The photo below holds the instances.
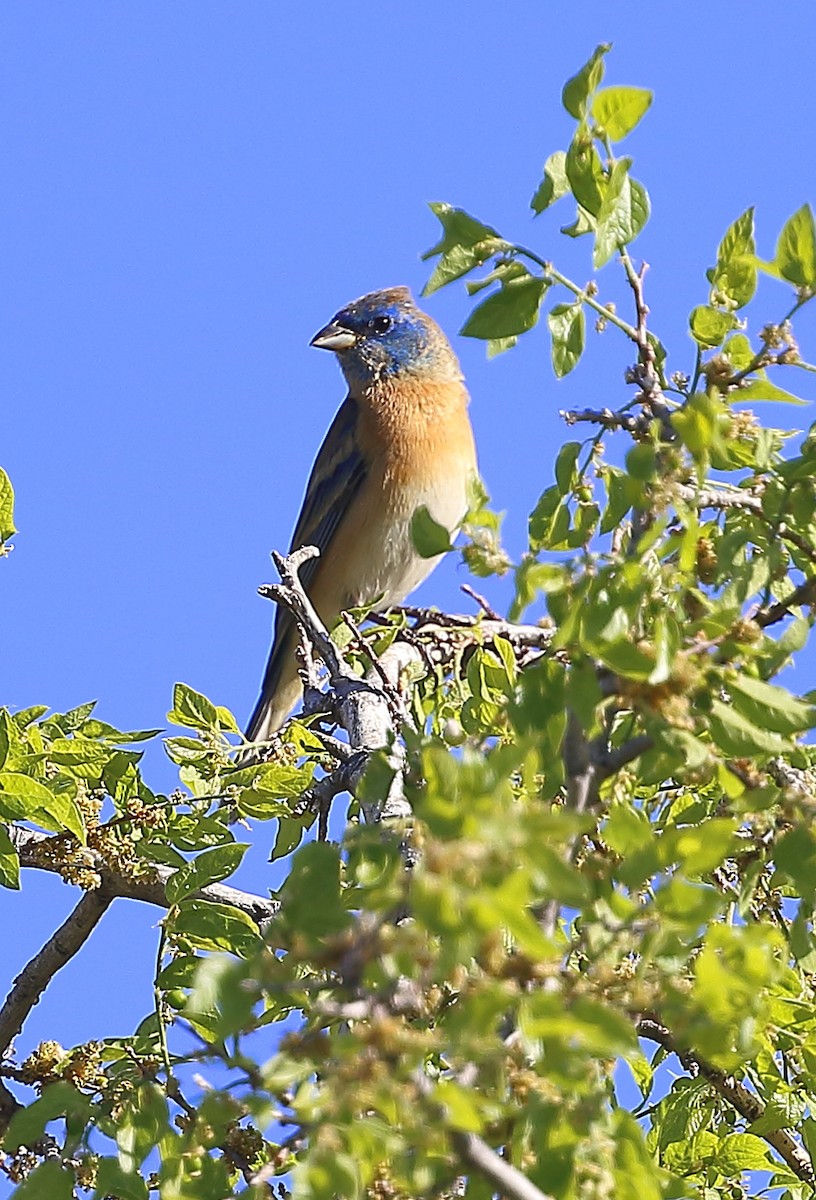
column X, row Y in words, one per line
column 610, row 848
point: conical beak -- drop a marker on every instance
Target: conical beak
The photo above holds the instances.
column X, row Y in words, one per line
column 334, row 337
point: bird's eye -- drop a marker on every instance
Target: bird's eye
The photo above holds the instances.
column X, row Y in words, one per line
column 381, row 324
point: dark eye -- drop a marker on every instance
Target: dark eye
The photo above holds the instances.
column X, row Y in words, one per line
column 381, row 324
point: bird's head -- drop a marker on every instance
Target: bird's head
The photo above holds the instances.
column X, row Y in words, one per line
column 383, row 335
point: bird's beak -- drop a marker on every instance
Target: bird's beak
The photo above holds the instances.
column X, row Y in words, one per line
column 333, row 337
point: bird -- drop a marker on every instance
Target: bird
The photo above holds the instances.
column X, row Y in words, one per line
column 401, row 439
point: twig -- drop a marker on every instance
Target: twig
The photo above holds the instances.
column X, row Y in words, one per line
column 738, row 1095
column 40, row 970
column 483, row 604
column 604, row 417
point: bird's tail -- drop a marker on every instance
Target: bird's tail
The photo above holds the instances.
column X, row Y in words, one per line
column 280, row 692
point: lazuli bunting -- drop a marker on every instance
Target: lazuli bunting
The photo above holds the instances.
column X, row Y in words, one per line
column 401, row 439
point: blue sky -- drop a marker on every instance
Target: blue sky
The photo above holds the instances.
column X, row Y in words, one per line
column 192, row 188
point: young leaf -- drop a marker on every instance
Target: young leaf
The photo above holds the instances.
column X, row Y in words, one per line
column 511, row 311
column 554, row 185
column 566, row 323
column 623, row 213
column 6, row 507
column 466, row 243
column 27, row 799
column 735, row 274
column 429, row 537
column 577, row 90
column 709, row 326
column 191, row 709
column 617, row 110
column 761, row 388
column 585, row 173
column 796, row 249
column 208, row 867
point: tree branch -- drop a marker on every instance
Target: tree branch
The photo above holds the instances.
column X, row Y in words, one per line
column 604, row 417
column 30, row 845
column 805, row 593
column 38, row 973
column 737, row 1094
column 504, row 1177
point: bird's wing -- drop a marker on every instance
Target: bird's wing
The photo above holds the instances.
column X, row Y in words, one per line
column 336, row 478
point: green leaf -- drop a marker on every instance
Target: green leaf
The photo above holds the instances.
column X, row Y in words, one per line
column 459, row 1105
column 6, row 507
column 9, row 861
column 49, row 1181
column 762, row 389
column 554, row 185
column 270, row 794
column 112, row 1180
column 142, row 1125
column 796, row 249
column 617, row 110
column 709, row 326
column 699, row 423
column 208, row 867
column 312, row 902
column 566, row 475
column 577, row 90
column 429, row 537
column 222, row 998
column 623, row 213
column 566, row 323
column 212, row 926
column 795, row 854
column 508, row 312
column 25, row 799
column 549, row 520
column 27, row 1126
column 192, row 710
column 290, row 834
column 740, row 1152
column 466, row 243
column 735, row 274
column 739, row 351
column 734, row 734
column 585, row 173
column 583, row 223
column 620, row 496
column 770, row 705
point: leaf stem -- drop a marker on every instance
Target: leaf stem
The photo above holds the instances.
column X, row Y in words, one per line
column 580, row 292
column 157, row 1001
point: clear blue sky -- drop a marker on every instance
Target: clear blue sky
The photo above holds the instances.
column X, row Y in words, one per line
column 191, row 189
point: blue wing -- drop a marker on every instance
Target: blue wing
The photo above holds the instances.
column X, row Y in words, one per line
column 336, row 478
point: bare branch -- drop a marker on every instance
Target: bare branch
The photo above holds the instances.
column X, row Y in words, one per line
column 483, row 603
column 604, row 417
column 38, row 973
column 611, row 761
column 805, row 593
column 505, row 1178
column 737, row 1094
column 722, row 497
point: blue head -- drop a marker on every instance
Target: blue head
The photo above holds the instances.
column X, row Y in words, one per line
column 384, row 335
